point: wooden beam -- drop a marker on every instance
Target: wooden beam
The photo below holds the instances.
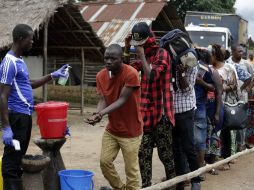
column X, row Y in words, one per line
column 45, row 58
column 72, row 47
column 70, row 31
column 166, row 18
column 53, row 39
column 188, row 176
column 82, row 81
column 67, row 26
column 77, row 24
column 75, row 47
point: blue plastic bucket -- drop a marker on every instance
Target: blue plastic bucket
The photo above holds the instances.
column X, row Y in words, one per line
column 76, row 180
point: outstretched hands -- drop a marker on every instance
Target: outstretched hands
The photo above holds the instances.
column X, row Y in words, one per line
column 95, row 118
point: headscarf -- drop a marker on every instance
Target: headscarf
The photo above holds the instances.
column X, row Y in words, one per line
column 150, row 46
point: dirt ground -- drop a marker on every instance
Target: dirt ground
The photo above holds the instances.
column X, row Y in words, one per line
column 82, row 151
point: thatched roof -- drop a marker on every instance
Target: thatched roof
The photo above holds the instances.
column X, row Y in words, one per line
column 31, row 12
column 67, row 29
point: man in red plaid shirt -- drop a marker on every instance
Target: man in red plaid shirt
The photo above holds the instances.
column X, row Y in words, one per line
column 156, row 100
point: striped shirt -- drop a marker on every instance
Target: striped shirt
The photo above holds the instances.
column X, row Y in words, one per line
column 14, row 72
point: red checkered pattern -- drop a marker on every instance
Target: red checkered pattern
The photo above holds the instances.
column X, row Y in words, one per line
column 156, row 94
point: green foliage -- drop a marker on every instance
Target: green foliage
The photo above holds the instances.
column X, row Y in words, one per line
column 220, row 6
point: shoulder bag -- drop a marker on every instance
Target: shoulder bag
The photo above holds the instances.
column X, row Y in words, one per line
column 235, row 115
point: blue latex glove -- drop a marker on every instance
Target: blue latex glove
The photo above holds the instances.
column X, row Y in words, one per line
column 7, row 136
column 67, row 131
column 60, row 72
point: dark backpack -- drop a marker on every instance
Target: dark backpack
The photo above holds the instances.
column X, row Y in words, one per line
column 178, row 45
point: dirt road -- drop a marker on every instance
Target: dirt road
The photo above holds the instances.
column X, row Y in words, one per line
column 82, row 151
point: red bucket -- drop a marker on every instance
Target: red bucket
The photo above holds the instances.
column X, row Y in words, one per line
column 52, row 119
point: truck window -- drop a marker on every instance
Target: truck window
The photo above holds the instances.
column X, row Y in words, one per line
column 206, row 38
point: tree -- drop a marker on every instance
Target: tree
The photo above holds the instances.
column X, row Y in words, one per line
column 220, row 6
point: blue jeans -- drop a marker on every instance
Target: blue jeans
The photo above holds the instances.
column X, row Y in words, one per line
column 200, row 133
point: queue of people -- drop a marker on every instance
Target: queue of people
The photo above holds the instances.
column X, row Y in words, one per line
column 145, row 111
column 186, row 125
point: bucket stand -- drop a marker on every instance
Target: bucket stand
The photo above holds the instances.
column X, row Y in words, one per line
column 32, row 166
column 51, row 148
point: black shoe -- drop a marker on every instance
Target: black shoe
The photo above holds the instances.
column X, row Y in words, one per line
column 105, row 188
column 248, row 146
column 195, row 186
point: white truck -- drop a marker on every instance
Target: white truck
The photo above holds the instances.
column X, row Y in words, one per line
column 209, row 28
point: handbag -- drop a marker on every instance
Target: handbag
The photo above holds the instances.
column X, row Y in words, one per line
column 235, row 115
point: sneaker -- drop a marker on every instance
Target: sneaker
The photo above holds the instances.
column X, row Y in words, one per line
column 105, row 188
column 248, row 146
column 195, row 186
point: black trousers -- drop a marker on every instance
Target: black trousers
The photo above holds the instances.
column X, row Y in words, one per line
column 183, row 145
column 21, row 125
column 226, row 143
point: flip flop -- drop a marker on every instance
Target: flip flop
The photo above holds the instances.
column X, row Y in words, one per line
column 213, row 172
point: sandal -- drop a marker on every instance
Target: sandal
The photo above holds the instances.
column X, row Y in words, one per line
column 224, row 167
column 202, row 177
column 213, row 172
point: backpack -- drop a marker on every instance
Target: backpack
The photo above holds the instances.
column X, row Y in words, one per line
column 178, row 45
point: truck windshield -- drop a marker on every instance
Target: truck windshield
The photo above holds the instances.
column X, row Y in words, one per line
column 206, row 38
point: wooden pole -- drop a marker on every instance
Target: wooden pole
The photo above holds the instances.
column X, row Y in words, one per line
column 208, row 167
column 54, row 82
column 82, row 81
column 45, row 58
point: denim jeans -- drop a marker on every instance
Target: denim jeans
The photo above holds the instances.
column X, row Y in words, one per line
column 183, row 145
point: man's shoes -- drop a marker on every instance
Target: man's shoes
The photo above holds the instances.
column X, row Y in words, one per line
column 248, row 146
column 195, row 186
column 106, row 188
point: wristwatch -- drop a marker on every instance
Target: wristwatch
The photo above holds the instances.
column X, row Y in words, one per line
column 183, row 75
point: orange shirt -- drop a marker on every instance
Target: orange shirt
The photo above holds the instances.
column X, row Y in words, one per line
column 126, row 121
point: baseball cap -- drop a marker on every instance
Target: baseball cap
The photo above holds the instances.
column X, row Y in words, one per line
column 140, row 33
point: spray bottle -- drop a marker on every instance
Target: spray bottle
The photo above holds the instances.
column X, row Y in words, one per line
column 62, row 80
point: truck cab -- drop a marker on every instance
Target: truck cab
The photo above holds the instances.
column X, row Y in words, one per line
column 207, row 28
column 205, row 35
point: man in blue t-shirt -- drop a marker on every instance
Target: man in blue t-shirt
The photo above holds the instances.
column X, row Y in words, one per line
column 16, row 104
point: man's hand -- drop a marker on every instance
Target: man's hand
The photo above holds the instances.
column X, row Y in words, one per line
column 216, row 119
column 181, row 69
column 7, row 136
column 60, row 72
column 67, row 131
column 140, row 52
column 95, row 118
column 181, row 75
column 199, row 80
column 128, row 41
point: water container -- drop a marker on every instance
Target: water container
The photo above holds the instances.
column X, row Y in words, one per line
column 76, row 180
column 52, row 119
